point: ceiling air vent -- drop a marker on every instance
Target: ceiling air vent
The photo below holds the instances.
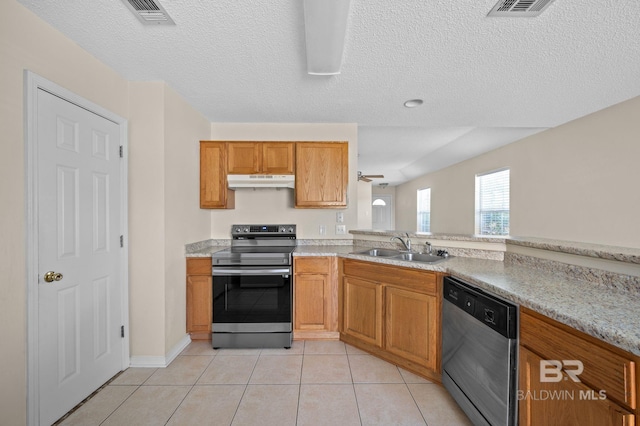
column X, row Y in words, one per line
column 520, row 8
column 149, row 12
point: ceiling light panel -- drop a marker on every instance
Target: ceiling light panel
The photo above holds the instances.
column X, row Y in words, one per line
column 325, row 27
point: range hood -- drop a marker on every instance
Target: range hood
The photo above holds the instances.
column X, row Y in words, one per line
column 261, row 181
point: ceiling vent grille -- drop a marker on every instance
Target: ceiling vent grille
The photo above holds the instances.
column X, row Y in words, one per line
column 520, row 8
column 149, row 12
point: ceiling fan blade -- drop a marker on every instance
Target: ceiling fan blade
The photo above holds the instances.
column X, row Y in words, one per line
column 374, row 176
column 365, row 179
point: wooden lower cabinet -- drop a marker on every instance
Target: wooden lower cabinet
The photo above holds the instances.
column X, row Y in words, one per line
column 410, row 319
column 362, row 308
column 315, row 295
column 563, row 402
column 199, row 303
column 591, row 382
column 394, row 313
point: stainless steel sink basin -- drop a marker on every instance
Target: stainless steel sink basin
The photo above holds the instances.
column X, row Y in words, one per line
column 379, row 252
column 419, row 257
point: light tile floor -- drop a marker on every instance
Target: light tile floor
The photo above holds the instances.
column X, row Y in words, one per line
column 313, row 383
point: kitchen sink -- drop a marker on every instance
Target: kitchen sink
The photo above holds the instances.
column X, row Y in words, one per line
column 419, row 257
column 379, row 252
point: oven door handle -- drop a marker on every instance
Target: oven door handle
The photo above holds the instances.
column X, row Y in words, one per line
column 218, row 272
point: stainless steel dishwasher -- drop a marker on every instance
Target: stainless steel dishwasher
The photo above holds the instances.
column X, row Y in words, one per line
column 479, row 353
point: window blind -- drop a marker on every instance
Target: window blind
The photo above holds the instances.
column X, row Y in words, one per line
column 424, row 210
column 492, row 203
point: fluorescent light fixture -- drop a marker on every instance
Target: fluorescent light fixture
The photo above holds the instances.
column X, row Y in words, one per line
column 325, row 26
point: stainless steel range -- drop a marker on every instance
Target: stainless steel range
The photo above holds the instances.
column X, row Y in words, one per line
column 252, row 288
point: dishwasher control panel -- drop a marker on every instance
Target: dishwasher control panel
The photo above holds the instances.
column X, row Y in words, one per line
column 487, row 308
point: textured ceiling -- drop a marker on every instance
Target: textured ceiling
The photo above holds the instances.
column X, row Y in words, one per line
column 485, row 82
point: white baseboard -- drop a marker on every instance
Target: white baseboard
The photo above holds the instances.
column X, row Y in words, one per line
column 160, row 361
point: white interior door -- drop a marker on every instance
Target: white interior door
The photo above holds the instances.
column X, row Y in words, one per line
column 79, row 227
column 382, row 215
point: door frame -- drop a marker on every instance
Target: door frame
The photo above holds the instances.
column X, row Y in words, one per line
column 33, row 83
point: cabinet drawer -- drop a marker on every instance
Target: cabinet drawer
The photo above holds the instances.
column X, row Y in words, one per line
column 605, row 368
column 312, row 265
column 424, row 281
column 199, row 266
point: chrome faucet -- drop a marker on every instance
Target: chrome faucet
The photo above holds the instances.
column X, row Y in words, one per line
column 406, row 244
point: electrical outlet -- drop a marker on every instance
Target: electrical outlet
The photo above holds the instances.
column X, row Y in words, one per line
column 339, row 217
column 341, row 229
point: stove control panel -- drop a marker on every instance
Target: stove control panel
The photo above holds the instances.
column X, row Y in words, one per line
column 264, row 230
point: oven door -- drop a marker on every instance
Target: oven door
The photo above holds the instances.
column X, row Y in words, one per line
column 252, row 299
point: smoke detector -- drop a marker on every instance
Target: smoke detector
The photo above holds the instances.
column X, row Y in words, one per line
column 149, row 12
column 520, row 8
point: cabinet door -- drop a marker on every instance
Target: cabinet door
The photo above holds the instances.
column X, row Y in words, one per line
column 562, row 402
column 362, row 310
column 214, row 193
column 312, row 302
column 278, row 158
column 245, row 158
column 411, row 325
column 199, row 305
column 321, row 174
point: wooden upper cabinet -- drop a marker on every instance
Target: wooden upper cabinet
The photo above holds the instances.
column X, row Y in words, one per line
column 322, row 174
column 246, row 158
column 278, row 158
column 214, row 193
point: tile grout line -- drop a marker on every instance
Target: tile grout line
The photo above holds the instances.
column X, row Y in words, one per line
column 192, row 386
column 244, row 392
column 353, row 387
column 300, row 385
column 86, row 400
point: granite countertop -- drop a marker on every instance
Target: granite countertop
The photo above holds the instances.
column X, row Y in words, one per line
column 609, row 314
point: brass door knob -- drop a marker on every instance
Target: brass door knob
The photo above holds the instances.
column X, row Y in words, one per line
column 52, row 276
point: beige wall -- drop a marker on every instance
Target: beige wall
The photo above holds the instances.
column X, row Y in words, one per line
column 27, row 43
column 163, row 191
column 275, row 206
column 576, row 182
column 364, row 205
column 184, row 221
column 164, row 214
column 146, row 219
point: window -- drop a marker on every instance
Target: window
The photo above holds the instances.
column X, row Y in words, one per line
column 492, row 203
column 424, row 210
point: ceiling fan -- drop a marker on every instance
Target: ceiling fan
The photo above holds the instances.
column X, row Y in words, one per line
column 368, row 178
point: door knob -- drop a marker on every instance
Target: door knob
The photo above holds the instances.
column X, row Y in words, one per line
column 52, row 276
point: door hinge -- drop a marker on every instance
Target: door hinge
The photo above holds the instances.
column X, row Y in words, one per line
column 121, row 150
column 121, row 240
column 122, row 331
